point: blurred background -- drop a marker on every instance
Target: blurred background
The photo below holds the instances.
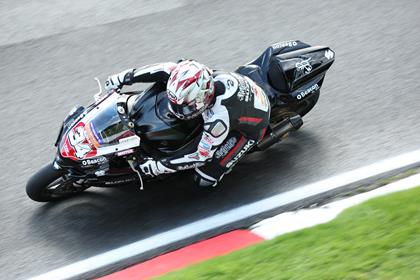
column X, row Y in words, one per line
column 50, row 51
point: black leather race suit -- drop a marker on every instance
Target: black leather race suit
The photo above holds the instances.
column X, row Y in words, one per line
column 234, row 123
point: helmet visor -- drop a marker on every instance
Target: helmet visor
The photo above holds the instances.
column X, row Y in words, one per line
column 184, row 111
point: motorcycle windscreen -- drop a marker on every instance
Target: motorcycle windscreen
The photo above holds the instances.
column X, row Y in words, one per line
column 106, row 127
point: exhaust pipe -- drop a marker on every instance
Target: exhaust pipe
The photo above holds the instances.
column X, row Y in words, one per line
column 278, row 131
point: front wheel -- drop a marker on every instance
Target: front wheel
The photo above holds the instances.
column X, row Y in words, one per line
column 50, row 184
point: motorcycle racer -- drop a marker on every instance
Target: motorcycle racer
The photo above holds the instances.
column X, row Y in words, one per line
column 234, row 109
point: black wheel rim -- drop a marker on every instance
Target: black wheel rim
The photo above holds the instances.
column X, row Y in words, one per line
column 62, row 187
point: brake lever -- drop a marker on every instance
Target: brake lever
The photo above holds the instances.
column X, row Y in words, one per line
column 131, row 163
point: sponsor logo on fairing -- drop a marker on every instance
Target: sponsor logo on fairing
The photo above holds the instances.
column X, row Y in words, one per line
column 290, row 43
column 308, row 91
column 121, row 181
column 304, row 66
column 126, row 152
column 329, row 54
column 247, row 146
column 78, row 141
column 224, row 149
column 92, row 161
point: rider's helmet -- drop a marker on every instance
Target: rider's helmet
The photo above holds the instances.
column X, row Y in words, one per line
column 190, row 89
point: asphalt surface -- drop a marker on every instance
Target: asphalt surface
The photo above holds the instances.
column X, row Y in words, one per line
column 369, row 110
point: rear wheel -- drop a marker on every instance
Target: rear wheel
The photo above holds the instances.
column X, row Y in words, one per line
column 50, row 184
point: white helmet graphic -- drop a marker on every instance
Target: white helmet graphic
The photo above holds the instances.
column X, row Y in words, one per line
column 190, row 89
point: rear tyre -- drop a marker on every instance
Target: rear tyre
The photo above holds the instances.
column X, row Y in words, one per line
column 50, row 184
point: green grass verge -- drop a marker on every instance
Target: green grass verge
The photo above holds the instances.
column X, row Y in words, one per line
column 379, row 239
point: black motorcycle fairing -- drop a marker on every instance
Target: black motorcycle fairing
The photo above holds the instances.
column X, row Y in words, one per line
column 257, row 70
column 161, row 132
column 289, row 71
column 275, row 71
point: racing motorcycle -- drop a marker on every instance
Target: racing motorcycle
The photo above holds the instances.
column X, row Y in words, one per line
column 98, row 146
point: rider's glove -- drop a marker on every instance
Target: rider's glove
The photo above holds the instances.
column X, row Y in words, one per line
column 117, row 81
column 154, row 168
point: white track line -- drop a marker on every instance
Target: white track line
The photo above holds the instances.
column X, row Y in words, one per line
column 228, row 217
column 304, row 218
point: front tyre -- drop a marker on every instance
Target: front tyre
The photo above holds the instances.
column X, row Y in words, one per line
column 50, row 184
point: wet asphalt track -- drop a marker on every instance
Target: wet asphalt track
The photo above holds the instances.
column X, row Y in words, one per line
column 369, row 110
